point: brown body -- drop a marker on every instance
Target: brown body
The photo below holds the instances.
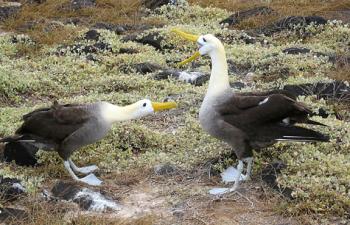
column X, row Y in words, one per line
column 64, row 128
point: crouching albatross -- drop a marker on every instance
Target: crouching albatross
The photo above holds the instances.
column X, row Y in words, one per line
column 246, row 121
column 66, row 128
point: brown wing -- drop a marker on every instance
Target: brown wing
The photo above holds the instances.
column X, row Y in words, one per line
column 262, row 120
column 244, row 110
column 55, row 123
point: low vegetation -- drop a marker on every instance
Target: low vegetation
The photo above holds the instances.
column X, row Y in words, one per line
column 33, row 74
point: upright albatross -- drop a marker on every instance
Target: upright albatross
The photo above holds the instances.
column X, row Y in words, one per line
column 66, row 128
column 246, row 121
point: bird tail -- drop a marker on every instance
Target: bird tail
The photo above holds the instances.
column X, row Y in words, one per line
column 32, row 140
column 315, row 123
column 16, row 138
column 295, row 133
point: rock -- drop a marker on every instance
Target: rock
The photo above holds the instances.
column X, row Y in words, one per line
column 164, row 169
column 142, row 68
column 80, row 4
column 195, row 78
column 35, row 1
column 237, row 85
column 27, row 26
column 65, row 190
column 86, row 49
column 232, row 68
column 86, row 198
column 153, row 4
column 11, row 188
column 74, row 21
column 145, row 68
column 333, row 90
column 340, row 60
column 290, row 22
column 242, row 15
column 8, row 9
column 92, row 57
column 296, row 50
column 118, row 29
column 93, row 35
column 247, row 39
column 8, row 215
column 153, row 39
column 128, row 51
column 269, row 176
column 322, row 113
column 22, row 153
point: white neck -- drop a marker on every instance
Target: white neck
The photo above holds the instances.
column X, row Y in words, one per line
column 113, row 113
column 219, row 80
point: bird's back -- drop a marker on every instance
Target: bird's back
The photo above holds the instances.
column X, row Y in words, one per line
column 54, row 123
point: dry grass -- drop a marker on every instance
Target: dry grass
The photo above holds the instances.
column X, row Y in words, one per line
column 36, row 19
column 341, row 71
column 282, row 8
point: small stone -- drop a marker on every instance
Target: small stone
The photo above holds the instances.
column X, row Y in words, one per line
column 8, row 215
column 296, row 51
column 91, row 57
column 164, row 169
column 153, row 4
column 242, row 15
column 79, row 4
column 330, row 90
column 128, row 51
column 237, row 85
column 118, row 29
column 93, row 35
column 153, row 39
column 8, row 9
column 269, row 176
column 290, row 23
column 146, row 68
column 65, row 190
column 11, row 188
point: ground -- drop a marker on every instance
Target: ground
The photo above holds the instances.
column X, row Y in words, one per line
column 46, row 57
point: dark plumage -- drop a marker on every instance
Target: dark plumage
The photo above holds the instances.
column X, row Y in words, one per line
column 247, row 121
column 67, row 128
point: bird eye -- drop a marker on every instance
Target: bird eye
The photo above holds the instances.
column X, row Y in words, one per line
column 204, row 40
column 144, row 104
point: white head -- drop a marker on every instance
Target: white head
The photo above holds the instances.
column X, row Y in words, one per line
column 113, row 113
column 141, row 108
column 208, row 44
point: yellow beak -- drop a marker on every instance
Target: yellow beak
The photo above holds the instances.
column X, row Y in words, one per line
column 190, row 37
column 158, row 106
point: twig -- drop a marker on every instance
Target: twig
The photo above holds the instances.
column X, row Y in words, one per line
column 252, row 203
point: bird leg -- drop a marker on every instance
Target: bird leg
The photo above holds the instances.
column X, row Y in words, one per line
column 231, row 174
column 249, row 161
column 90, row 179
column 83, row 170
column 238, row 175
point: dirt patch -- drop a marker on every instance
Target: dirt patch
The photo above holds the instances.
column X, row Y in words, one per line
column 188, row 202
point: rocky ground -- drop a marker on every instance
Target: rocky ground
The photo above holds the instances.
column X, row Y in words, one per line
column 158, row 170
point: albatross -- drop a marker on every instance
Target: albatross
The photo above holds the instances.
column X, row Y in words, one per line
column 67, row 128
column 246, row 121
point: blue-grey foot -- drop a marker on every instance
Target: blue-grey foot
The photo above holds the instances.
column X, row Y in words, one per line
column 83, row 170
column 234, row 175
column 91, row 179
